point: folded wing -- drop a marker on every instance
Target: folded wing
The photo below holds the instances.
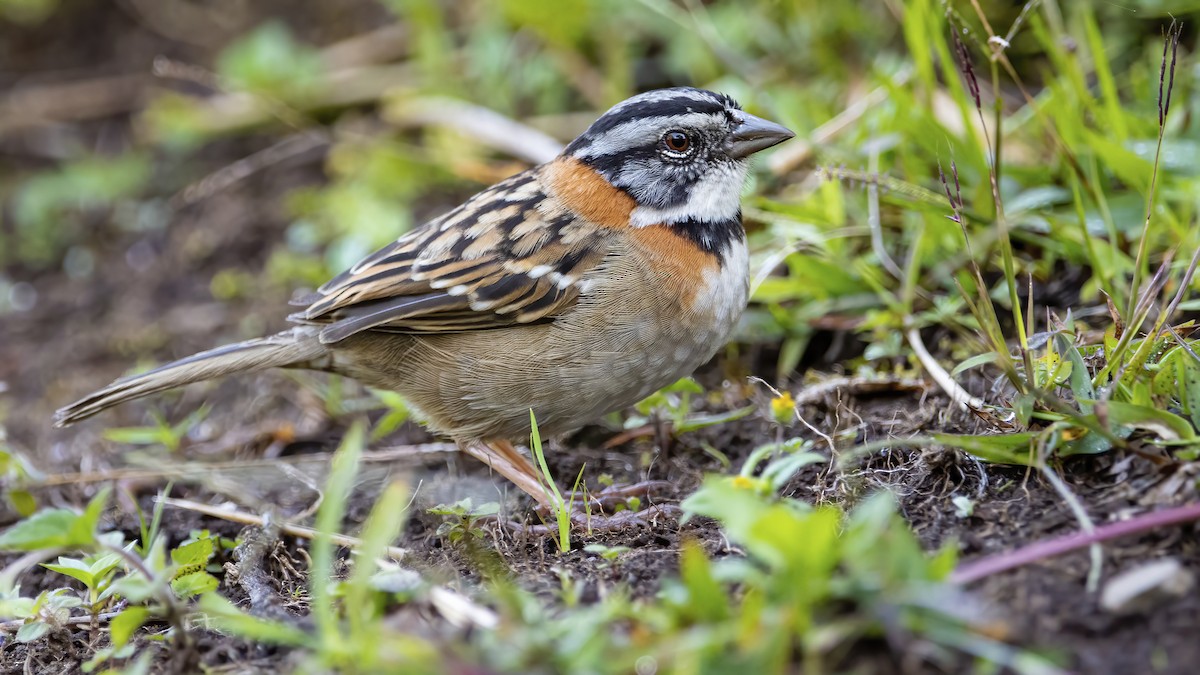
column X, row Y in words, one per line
column 507, row 256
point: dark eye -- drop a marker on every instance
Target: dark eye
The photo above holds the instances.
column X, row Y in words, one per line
column 677, row 141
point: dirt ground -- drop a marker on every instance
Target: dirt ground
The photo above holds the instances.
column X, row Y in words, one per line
column 97, row 329
column 150, row 298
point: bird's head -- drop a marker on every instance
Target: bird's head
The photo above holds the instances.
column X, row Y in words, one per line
column 680, row 153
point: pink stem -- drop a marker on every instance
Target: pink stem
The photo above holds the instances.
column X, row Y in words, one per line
column 1046, row 548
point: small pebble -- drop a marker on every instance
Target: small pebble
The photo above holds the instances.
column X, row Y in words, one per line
column 1146, row 586
column 22, row 296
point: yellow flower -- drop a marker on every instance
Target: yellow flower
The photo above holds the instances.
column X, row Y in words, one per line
column 1073, row 433
column 783, row 407
column 744, row 483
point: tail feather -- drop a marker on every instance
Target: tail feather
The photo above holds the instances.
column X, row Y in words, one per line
column 297, row 348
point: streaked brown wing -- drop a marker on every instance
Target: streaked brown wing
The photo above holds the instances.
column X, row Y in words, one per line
column 507, row 256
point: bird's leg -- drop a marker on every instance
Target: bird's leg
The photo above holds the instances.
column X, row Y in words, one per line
column 514, row 457
column 504, row 459
column 588, row 513
column 604, row 501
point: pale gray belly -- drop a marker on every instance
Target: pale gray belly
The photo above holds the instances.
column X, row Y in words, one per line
column 483, row 384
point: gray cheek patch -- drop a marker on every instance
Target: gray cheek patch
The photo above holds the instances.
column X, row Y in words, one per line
column 656, row 183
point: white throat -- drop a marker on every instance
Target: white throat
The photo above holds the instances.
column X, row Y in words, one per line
column 715, row 197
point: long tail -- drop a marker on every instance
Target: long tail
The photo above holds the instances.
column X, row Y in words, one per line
column 296, row 348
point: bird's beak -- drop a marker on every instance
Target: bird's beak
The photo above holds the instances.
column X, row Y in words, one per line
column 754, row 134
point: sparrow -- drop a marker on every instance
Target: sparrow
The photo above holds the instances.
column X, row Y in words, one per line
column 573, row 289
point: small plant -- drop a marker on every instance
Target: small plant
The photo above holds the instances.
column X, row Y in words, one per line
column 675, row 404
column 463, row 526
column 562, row 508
column 96, row 572
column 15, row 472
column 170, row 436
column 816, row 583
column 397, row 413
column 609, row 554
column 50, row 610
column 145, row 580
column 349, row 633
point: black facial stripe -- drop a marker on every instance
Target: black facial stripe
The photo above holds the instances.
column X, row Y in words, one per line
column 610, row 165
column 673, row 187
column 711, row 237
column 680, row 192
column 665, row 109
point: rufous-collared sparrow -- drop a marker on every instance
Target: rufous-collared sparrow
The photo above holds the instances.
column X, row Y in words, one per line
column 574, row 289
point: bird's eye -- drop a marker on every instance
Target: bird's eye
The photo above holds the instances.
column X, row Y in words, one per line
column 676, row 141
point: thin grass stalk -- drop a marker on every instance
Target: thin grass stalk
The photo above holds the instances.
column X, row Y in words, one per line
column 993, row 162
column 1166, row 84
column 1142, row 312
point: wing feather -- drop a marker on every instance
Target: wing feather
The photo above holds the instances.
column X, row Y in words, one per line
column 510, row 255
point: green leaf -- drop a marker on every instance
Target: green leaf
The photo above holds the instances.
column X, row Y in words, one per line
column 382, row 526
column 15, row 606
column 398, row 413
column 23, row 502
column 732, row 502
column 89, row 182
column 1165, row 425
column 977, row 360
column 227, row 617
column 1036, row 199
column 1081, row 382
column 56, row 528
column 694, row 422
column 1187, row 374
column 707, row 599
column 28, row 12
column 563, row 26
column 270, row 61
column 328, row 522
column 76, row 569
column 83, row 530
column 196, row 583
column 32, row 631
column 781, row 470
column 1090, row 443
column 196, row 553
column 1000, row 449
column 136, row 435
column 123, row 625
column 133, row 587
